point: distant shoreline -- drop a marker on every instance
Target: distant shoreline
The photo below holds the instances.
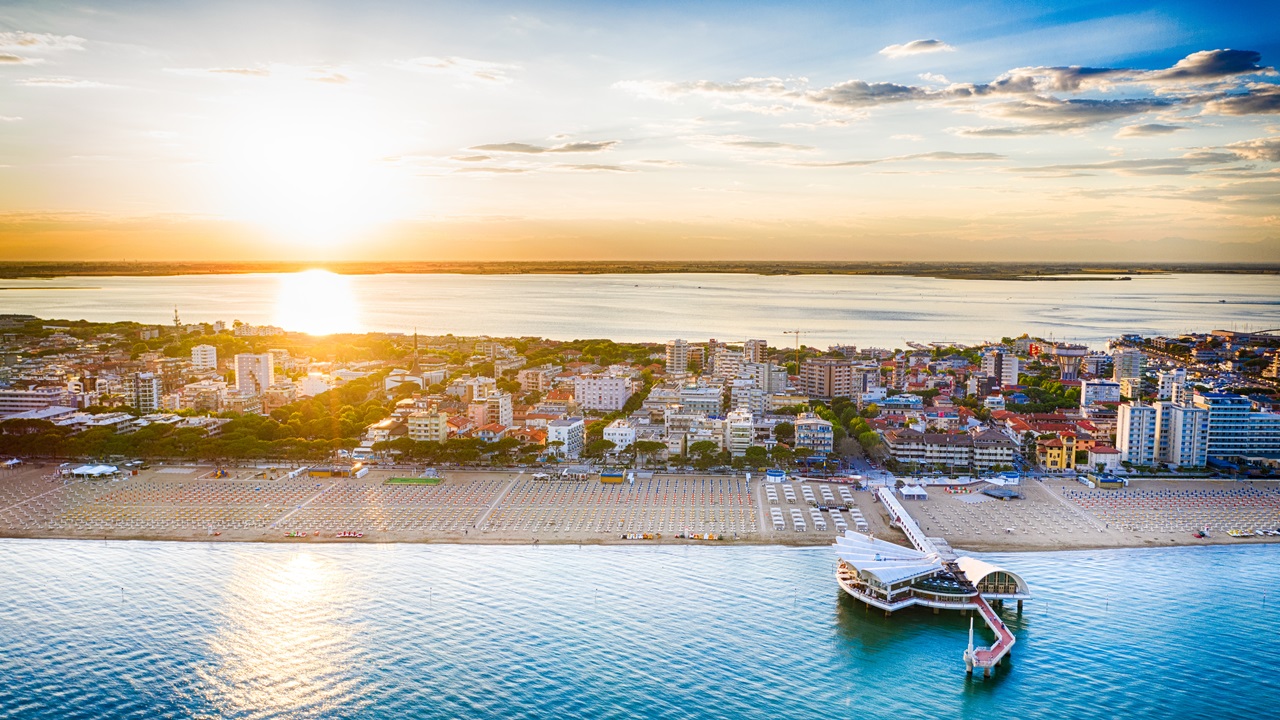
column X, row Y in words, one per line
column 1054, row 272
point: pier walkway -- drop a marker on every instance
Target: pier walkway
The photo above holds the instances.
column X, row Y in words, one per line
column 940, row 550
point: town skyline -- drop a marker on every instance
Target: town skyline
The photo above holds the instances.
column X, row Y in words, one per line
column 570, row 131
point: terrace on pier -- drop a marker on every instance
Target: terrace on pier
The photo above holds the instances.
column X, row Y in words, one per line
column 892, row 577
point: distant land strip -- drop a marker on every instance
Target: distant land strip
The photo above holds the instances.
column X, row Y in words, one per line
column 948, row 270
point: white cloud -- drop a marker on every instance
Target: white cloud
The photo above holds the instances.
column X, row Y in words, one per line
column 39, row 42
column 9, row 118
column 916, row 47
column 61, row 82
column 491, row 72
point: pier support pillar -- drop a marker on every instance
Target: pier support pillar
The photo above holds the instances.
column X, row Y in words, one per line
column 935, row 611
column 986, row 672
column 1019, row 607
column 888, row 613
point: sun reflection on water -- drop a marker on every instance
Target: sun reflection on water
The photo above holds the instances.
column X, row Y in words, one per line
column 286, row 646
column 317, row 302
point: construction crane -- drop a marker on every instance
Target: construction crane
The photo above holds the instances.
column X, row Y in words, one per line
column 797, row 333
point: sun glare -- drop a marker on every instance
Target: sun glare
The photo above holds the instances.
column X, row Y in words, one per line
column 304, row 162
column 317, row 302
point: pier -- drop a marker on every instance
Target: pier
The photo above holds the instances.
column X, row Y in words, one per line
column 891, row 577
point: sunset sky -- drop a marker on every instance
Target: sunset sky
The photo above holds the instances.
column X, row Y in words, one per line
column 640, row 130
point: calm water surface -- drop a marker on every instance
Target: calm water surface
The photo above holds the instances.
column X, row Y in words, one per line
column 133, row 629
column 863, row 310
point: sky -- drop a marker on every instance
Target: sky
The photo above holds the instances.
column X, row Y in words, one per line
column 850, row 131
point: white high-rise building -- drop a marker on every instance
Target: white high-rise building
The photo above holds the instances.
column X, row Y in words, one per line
column 204, row 357
column 500, row 409
column 1001, row 364
column 740, row 432
column 254, row 373
column 570, row 433
column 1168, row 383
column 144, row 391
column 1136, row 433
column 1182, row 434
column 1235, row 430
column 1127, row 362
column 677, row 358
column 753, row 351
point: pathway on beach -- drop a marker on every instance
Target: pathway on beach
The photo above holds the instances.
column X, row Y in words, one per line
column 498, row 500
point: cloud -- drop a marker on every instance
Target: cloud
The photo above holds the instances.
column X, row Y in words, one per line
column 10, row 59
column 332, row 77
column 941, row 156
column 9, row 118
column 589, row 167
column 493, row 170
column 471, row 158
column 243, row 72
column 491, row 72
column 1045, row 114
column 39, row 42
column 743, row 142
column 859, row 94
column 766, row 145
column 1256, row 100
column 1211, row 65
column 1267, row 149
column 1148, row 130
column 1185, row 165
column 62, row 82
column 524, row 148
column 916, row 47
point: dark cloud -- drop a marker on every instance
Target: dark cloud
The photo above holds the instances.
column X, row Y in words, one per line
column 1044, row 114
column 527, row 149
column 1257, row 100
column 1148, row 130
column 859, row 94
column 1211, row 65
column 7, row 59
column 1185, row 165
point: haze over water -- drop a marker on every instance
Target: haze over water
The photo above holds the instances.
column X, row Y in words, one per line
column 247, row 630
column 880, row 311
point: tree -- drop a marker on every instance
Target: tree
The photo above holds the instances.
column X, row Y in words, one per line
column 649, row 448
column 785, row 432
column 756, row 456
column 598, row 448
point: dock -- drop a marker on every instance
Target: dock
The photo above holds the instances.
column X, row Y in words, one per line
column 891, row 577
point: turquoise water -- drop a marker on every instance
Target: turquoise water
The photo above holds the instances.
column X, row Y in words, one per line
column 134, row 629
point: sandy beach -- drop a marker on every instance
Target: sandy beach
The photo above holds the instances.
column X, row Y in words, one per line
column 193, row 503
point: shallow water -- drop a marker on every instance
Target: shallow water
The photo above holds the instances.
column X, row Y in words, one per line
column 146, row 629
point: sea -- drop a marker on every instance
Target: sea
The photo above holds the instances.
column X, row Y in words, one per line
column 862, row 310
column 92, row 629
